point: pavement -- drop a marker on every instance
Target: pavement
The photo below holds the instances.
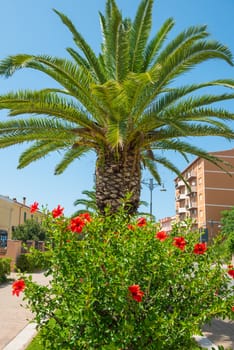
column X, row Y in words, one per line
column 16, row 331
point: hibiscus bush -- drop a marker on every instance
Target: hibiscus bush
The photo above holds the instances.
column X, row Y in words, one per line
column 120, row 283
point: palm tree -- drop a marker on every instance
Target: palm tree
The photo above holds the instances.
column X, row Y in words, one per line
column 90, row 203
column 123, row 103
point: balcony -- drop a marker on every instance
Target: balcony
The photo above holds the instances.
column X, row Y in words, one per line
column 180, row 183
column 181, row 197
column 182, row 210
column 192, row 205
column 193, row 189
column 193, row 216
column 190, row 175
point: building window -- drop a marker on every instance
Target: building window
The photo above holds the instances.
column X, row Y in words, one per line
column 25, row 216
column 200, row 196
column 3, row 238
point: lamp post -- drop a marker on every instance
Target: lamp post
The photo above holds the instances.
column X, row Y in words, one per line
column 151, row 185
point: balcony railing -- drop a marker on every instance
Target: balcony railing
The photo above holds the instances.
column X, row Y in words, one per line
column 191, row 190
column 191, row 175
column 192, row 205
column 182, row 210
column 180, row 183
column 181, row 196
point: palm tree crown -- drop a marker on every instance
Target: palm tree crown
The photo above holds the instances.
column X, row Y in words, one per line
column 122, row 103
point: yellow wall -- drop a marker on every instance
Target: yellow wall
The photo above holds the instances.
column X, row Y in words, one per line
column 14, row 213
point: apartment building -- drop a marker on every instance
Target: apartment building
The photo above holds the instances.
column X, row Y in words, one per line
column 210, row 191
column 12, row 214
column 167, row 223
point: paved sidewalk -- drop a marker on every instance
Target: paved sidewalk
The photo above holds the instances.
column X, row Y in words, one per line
column 15, row 317
column 220, row 332
column 16, row 332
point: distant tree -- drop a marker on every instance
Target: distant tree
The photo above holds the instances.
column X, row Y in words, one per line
column 227, row 227
column 30, row 230
column 227, row 221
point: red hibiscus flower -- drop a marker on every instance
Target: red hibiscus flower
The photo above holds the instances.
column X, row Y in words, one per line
column 131, row 227
column 57, row 211
column 233, row 308
column 136, row 292
column 17, row 287
column 141, row 222
column 200, row 248
column 85, row 217
column 76, row 224
column 161, row 235
column 231, row 272
column 34, row 207
column 179, row 242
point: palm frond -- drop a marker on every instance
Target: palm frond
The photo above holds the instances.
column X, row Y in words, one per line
column 85, row 48
column 140, row 33
column 111, row 27
column 116, row 134
column 183, row 41
column 112, row 98
column 71, row 155
column 195, row 129
column 122, row 54
column 184, row 59
column 75, row 81
column 50, row 104
column 39, row 150
column 156, row 43
column 151, row 165
column 21, row 131
column 193, row 102
column 81, row 62
column 172, row 96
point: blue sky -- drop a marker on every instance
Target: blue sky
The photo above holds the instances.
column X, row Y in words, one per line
column 32, row 27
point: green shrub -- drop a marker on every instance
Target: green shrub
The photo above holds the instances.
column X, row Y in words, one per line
column 5, row 268
column 31, row 230
column 23, row 263
column 120, row 285
column 33, row 261
column 230, row 243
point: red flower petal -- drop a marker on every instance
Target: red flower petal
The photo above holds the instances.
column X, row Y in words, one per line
column 57, row 211
column 200, row 248
column 231, row 273
column 141, row 222
column 179, row 242
column 34, row 207
column 136, row 293
column 76, row 224
column 86, row 217
column 17, row 287
column 161, row 235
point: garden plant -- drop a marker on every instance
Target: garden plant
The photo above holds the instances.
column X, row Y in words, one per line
column 5, row 268
column 118, row 282
column 125, row 103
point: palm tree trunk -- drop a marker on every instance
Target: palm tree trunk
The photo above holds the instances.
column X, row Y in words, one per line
column 116, row 176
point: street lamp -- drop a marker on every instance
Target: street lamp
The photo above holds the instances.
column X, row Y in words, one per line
column 151, row 185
